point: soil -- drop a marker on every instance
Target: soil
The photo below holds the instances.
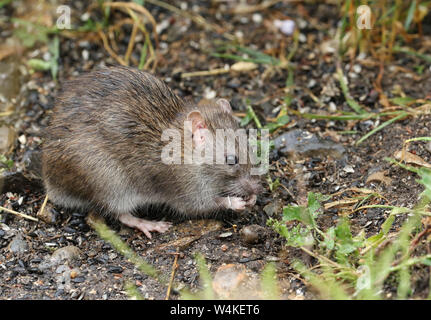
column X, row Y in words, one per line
column 101, row 272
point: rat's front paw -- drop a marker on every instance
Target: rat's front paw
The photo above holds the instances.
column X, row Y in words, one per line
column 233, row 203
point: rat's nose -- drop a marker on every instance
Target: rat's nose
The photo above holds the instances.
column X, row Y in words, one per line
column 251, row 186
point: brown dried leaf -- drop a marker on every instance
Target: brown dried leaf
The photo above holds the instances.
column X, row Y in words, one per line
column 379, row 176
column 411, row 158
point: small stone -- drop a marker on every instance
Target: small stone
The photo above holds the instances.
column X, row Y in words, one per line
column 272, row 208
column 48, row 215
column 332, row 107
column 239, row 34
column 68, row 253
column 302, row 38
column 357, row 68
column 224, row 248
column 85, row 55
column 311, row 83
column 61, row 268
column 115, row 269
column 22, row 139
column 428, row 146
column 285, row 26
column 348, row 169
column 78, row 279
column 85, row 16
column 74, row 273
column 225, row 235
column 18, row 245
column 272, row 259
column 209, row 93
column 257, row 18
column 228, row 279
column 252, row 234
column 244, row 20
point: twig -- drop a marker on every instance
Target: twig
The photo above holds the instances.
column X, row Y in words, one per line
column 131, row 43
column 416, row 240
column 19, row 214
column 205, row 73
column 320, row 257
column 198, row 19
column 138, row 8
column 241, row 9
column 110, row 51
column 6, row 113
column 43, row 205
column 174, row 268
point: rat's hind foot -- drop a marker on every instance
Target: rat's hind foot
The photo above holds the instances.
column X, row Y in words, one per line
column 144, row 225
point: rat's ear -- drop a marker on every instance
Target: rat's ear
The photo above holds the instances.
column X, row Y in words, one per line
column 225, row 105
column 198, row 127
column 197, row 120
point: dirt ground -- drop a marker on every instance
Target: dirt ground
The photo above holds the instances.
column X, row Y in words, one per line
column 97, row 271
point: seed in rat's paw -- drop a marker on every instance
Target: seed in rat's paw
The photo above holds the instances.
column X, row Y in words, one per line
column 252, row 234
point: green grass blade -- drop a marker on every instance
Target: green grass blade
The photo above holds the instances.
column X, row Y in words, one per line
column 410, row 14
column 351, row 102
column 383, row 125
column 425, row 57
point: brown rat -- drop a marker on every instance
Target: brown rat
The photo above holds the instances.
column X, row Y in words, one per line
column 103, row 150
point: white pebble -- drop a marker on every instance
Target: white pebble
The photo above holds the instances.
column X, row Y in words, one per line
column 162, row 26
column 22, row 139
column 85, row 55
column 85, row 16
column 47, row 56
column 257, row 18
column 348, row 169
column 302, row 38
column 285, row 26
column 332, row 107
column 311, row 83
column 244, row 20
column 209, row 93
column 357, row 68
column 239, row 34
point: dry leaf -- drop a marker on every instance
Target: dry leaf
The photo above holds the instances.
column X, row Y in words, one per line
column 6, row 51
column 340, row 203
column 411, row 158
column 379, row 176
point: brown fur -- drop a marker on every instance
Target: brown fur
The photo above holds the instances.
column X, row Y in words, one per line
column 103, row 146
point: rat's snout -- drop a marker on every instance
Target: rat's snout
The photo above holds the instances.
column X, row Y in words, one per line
column 251, row 186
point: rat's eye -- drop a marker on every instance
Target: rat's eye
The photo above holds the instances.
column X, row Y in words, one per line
column 231, row 159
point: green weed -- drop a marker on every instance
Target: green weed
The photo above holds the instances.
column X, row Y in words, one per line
column 354, row 266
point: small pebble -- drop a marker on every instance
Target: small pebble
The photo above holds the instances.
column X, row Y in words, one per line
column 115, row 269
column 209, row 93
column 78, row 279
column 68, row 253
column 285, row 26
column 357, row 68
column 252, row 234
column 257, row 18
column 85, row 54
column 332, row 107
column 225, row 235
column 18, row 245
